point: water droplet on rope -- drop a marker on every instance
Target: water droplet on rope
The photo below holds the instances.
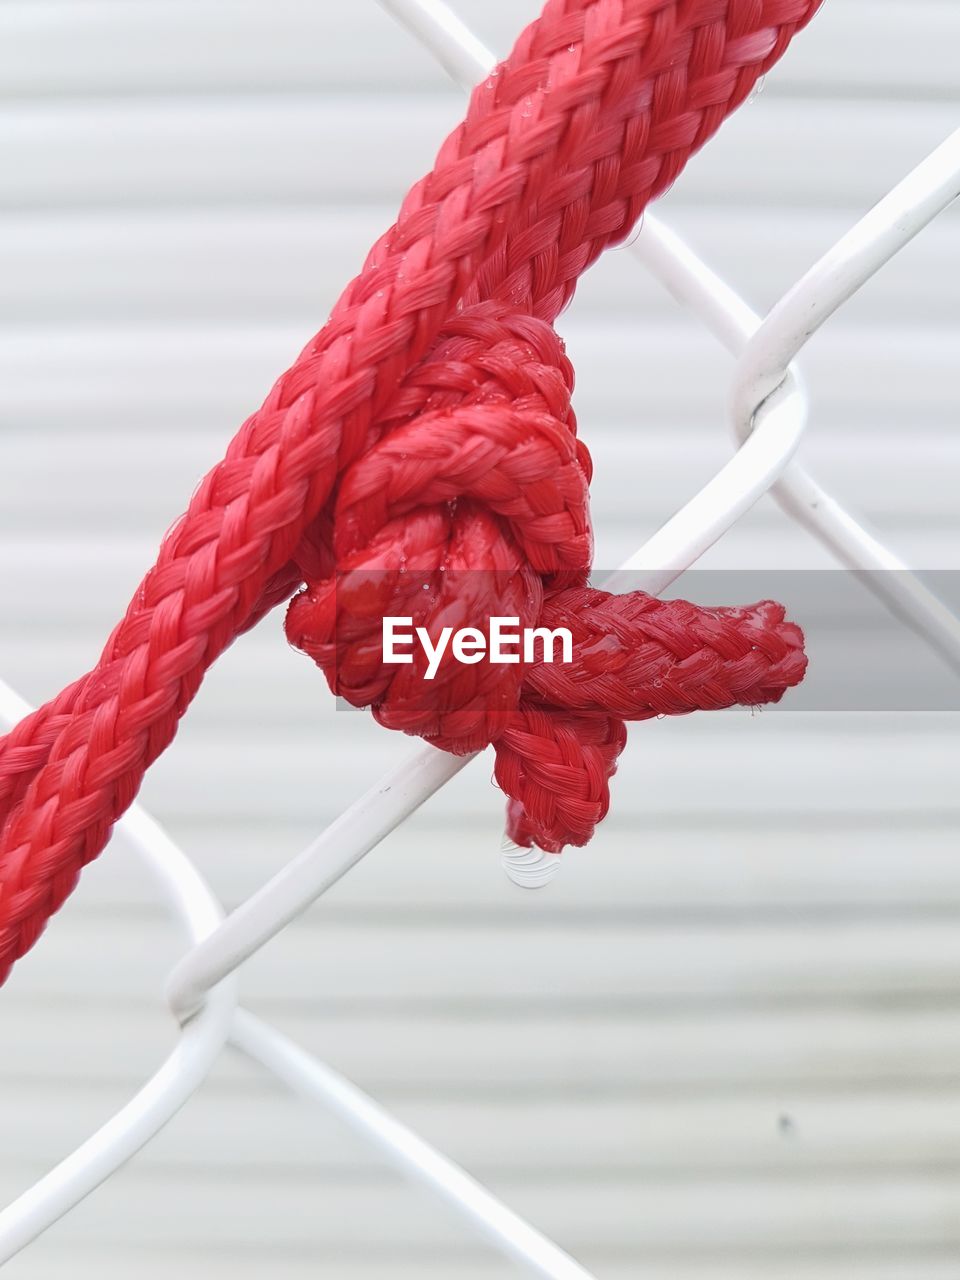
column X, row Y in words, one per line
column 757, row 89
column 528, row 868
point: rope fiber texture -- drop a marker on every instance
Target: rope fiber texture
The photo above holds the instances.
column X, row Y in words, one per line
column 425, row 437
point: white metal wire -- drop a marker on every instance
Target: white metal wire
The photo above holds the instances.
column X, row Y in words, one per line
column 770, row 416
column 204, row 1032
column 197, row 912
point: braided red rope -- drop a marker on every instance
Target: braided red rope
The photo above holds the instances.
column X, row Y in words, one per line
column 428, row 427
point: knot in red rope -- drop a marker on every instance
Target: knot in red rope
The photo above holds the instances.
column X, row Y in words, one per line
column 424, row 436
column 474, row 504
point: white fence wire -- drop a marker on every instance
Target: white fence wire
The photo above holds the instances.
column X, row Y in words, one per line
column 769, row 418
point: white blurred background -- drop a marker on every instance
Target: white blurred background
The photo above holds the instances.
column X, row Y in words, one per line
column 726, row 1041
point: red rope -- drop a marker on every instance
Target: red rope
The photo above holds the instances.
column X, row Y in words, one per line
column 428, row 428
